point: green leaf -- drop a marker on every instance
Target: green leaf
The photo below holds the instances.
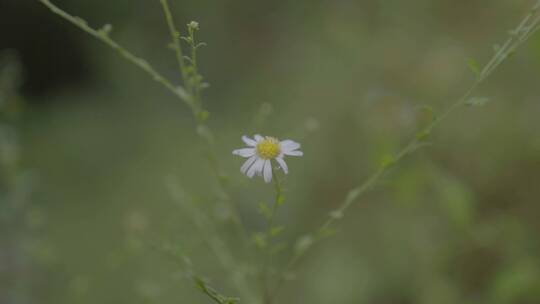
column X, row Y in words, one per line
column 223, row 178
column 203, row 115
column 264, row 210
column 200, row 44
column 303, row 244
column 327, row 232
column 275, row 231
column 473, row 66
column 387, row 161
column 213, row 293
column 477, row 101
column 106, row 29
column 428, row 109
column 336, row 214
column 260, row 240
column 422, row 135
column 280, row 199
column 187, row 39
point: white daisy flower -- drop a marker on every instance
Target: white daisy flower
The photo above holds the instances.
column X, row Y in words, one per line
column 260, row 153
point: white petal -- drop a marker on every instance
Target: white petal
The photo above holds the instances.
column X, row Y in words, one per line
column 248, row 164
column 289, row 145
column 282, row 164
column 267, row 171
column 246, row 152
column 250, row 142
column 255, row 168
column 258, row 137
column 293, row 153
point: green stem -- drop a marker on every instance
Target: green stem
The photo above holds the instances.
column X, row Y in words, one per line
column 209, row 234
column 278, row 201
column 103, row 36
column 523, row 32
column 180, row 92
column 196, row 85
column 175, row 36
column 203, row 131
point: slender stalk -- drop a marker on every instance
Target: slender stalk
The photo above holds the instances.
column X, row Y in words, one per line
column 103, row 36
column 180, row 92
column 185, row 265
column 278, row 201
column 202, row 129
column 216, row 245
column 209, row 234
column 521, row 34
column 175, row 35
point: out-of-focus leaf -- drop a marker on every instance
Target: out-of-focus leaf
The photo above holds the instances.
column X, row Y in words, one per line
column 477, row 101
column 473, row 66
column 456, row 201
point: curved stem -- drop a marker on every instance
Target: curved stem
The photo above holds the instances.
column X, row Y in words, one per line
column 180, row 92
column 103, row 36
column 526, row 28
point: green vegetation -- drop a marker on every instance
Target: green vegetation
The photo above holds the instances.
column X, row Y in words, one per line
column 138, row 196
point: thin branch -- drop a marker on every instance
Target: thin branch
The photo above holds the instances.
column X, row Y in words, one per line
column 209, row 235
column 103, row 36
column 202, row 129
column 520, row 35
column 175, row 35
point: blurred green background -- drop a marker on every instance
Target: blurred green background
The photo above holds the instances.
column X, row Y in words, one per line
column 100, row 143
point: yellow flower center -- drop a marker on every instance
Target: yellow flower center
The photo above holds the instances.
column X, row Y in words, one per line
column 268, row 148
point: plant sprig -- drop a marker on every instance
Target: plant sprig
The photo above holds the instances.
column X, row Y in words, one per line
column 187, row 65
column 193, row 82
column 271, row 232
column 209, row 234
column 517, row 37
column 185, row 264
column 213, row 293
column 188, row 94
column 103, row 35
column 181, row 92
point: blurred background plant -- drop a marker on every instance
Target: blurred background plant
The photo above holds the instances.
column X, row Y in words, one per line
column 351, row 80
column 21, row 250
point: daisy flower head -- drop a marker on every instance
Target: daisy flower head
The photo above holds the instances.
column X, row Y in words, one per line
column 260, row 153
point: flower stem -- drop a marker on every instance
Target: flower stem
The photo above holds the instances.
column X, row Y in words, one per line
column 266, row 276
column 185, row 93
column 175, row 35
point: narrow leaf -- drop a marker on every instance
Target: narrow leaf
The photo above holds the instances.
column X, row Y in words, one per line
column 473, row 66
column 477, row 101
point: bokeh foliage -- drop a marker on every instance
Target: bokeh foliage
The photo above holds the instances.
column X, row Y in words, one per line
column 455, row 223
